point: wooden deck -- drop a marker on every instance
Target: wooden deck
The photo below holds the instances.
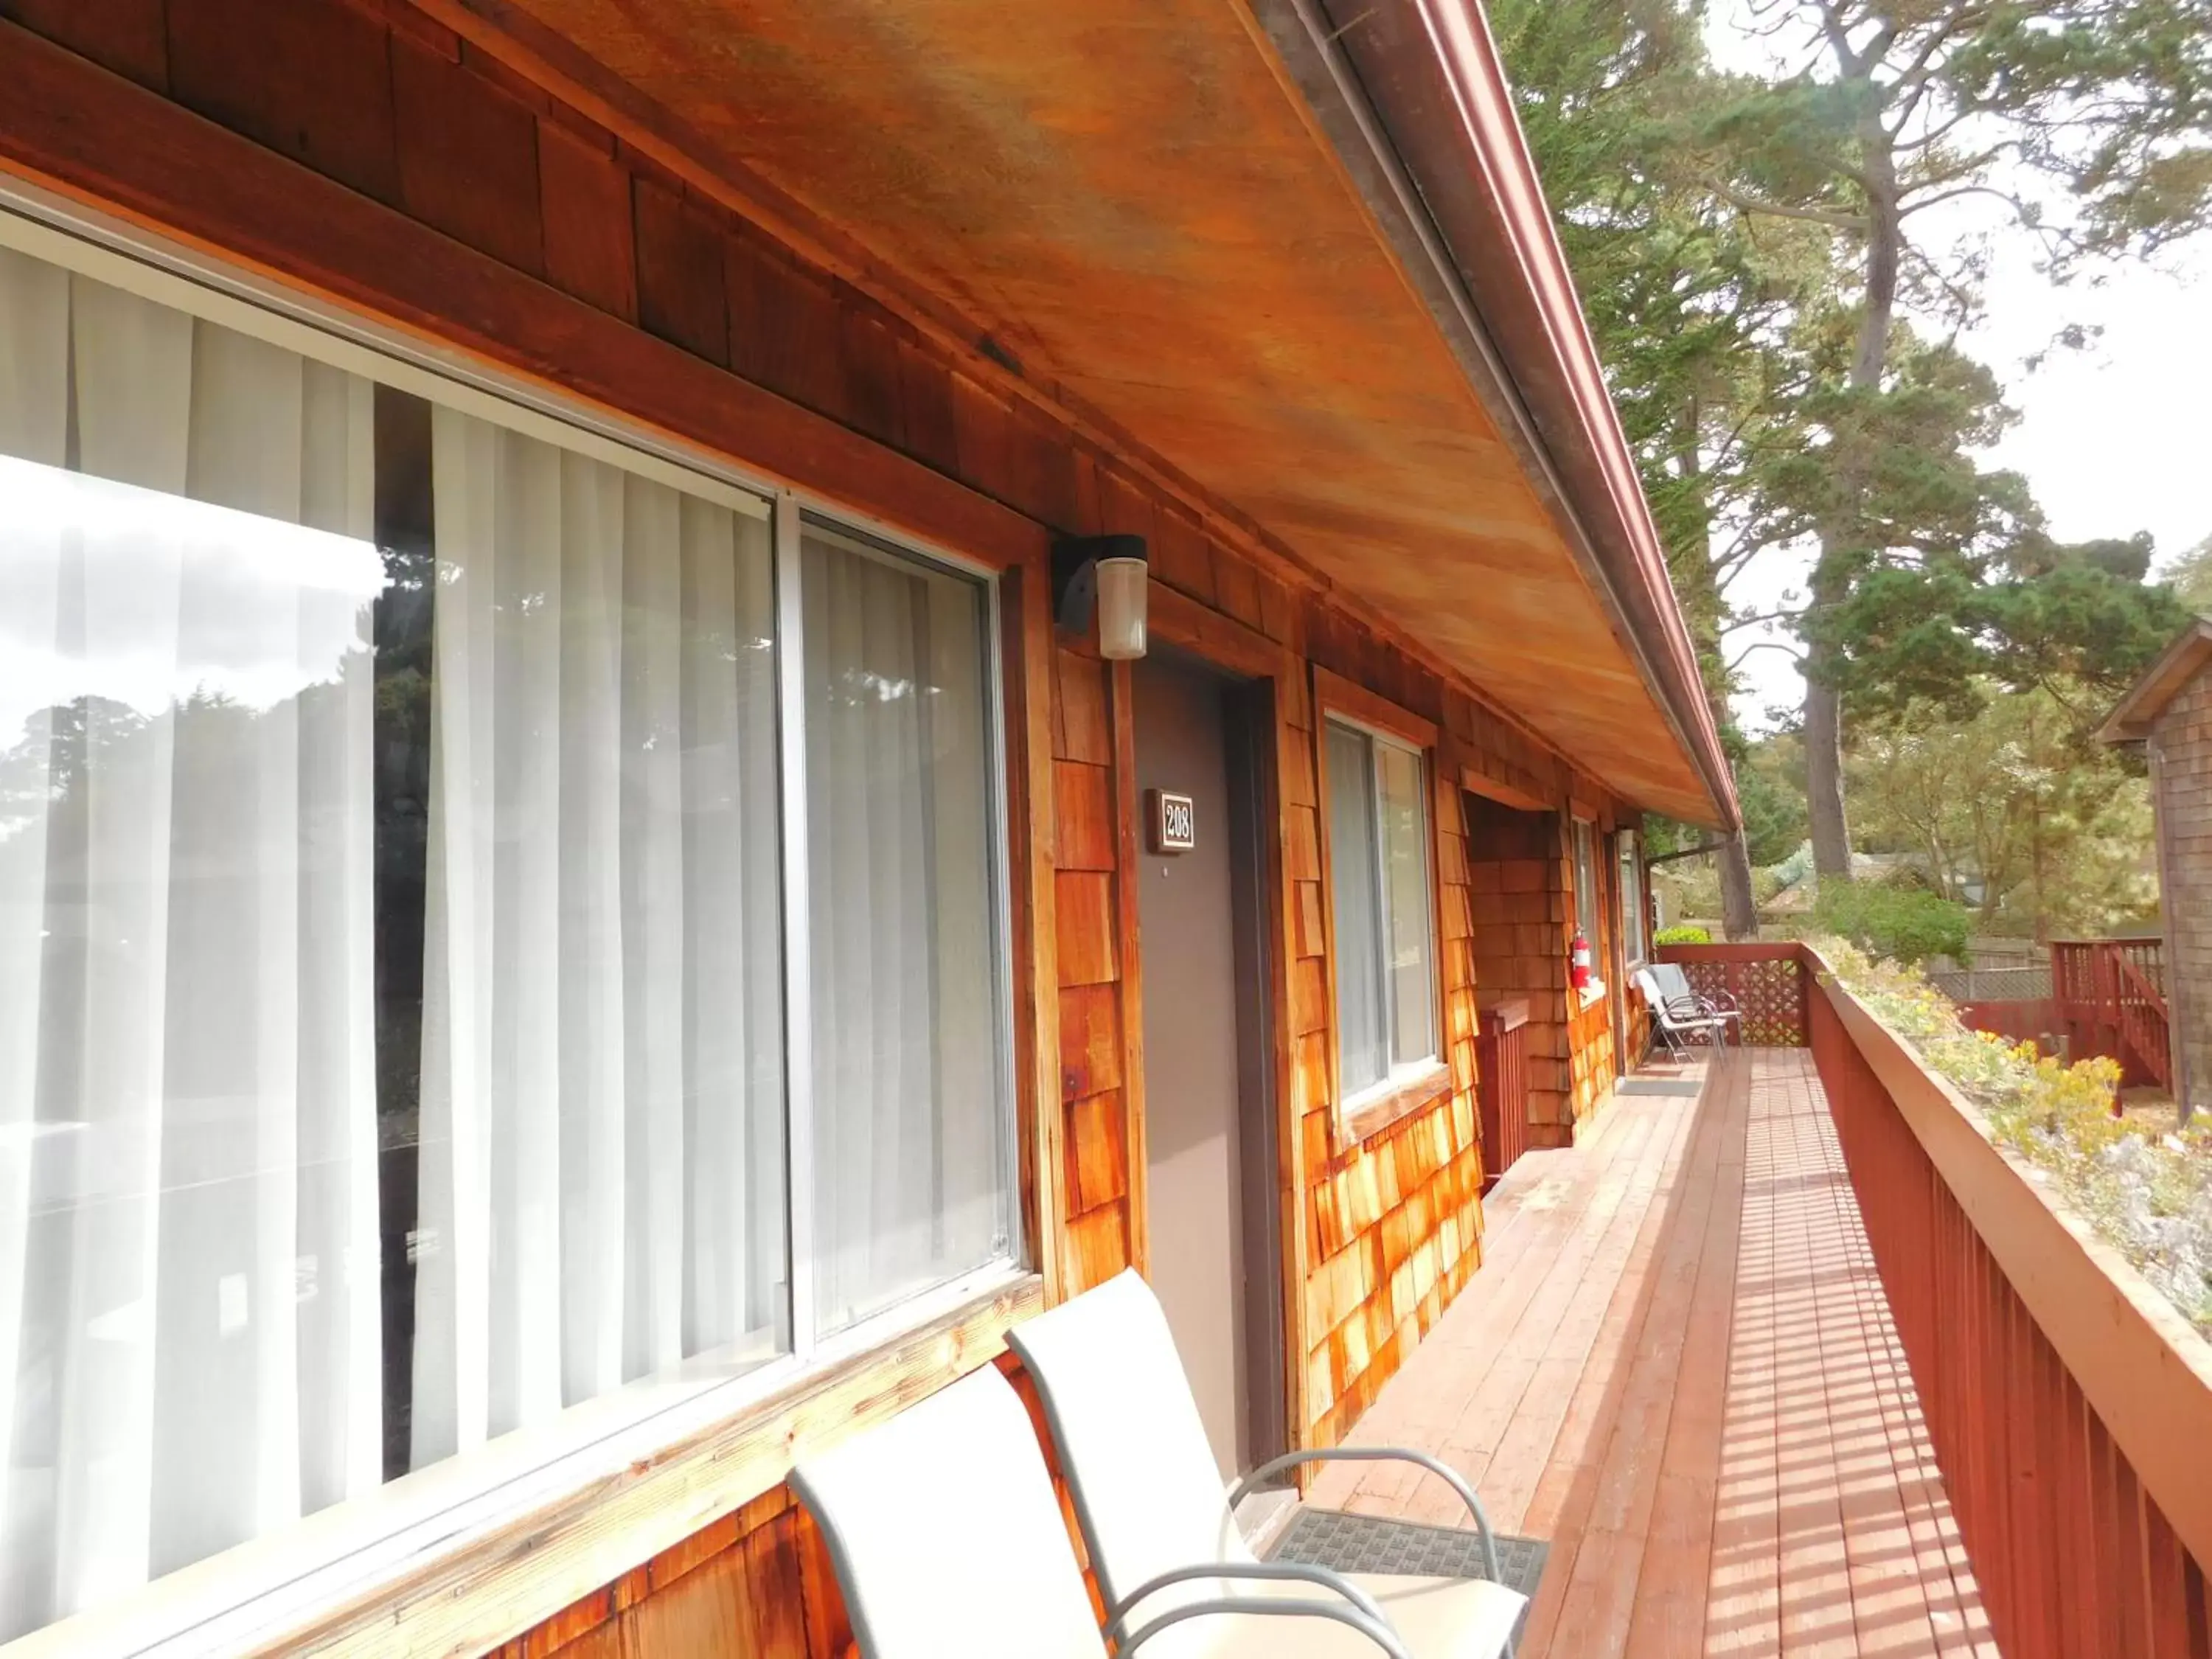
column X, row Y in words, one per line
column 1677, row 1365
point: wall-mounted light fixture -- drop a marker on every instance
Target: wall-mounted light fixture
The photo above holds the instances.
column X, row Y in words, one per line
column 1102, row 575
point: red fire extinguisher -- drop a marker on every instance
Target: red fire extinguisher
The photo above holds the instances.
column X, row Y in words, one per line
column 1579, row 961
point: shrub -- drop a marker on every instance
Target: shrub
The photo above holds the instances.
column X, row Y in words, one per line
column 1682, row 935
column 1899, row 923
column 2149, row 1194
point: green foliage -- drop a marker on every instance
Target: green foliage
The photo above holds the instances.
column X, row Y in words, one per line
column 1770, row 785
column 1683, row 935
column 2191, row 578
column 1903, row 923
column 2017, row 797
column 1949, row 628
column 1784, row 356
column 2149, row 1194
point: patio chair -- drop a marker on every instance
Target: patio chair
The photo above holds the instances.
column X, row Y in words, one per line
column 1674, row 1024
column 1675, row 985
column 1150, row 1501
column 946, row 1539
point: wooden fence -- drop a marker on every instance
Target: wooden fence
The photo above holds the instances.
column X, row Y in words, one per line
column 1767, row 982
column 1501, row 1064
column 2110, row 1000
column 2068, row 1404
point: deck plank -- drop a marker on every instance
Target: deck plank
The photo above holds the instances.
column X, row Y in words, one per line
column 1677, row 1366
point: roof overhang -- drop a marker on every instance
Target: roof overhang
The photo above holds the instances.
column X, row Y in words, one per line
column 2177, row 666
column 1301, row 260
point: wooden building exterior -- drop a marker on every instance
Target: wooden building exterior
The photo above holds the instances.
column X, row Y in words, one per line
column 688, row 233
column 2169, row 713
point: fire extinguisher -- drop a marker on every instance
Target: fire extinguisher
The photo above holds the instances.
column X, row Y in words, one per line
column 1579, row 961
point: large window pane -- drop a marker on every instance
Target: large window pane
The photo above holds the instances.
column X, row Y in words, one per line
column 390, row 1039
column 1379, row 853
column 1632, row 919
column 1404, row 813
column 1585, row 882
column 912, row 1166
column 1355, row 893
column 601, row 1161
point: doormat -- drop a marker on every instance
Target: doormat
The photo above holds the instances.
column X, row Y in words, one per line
column 1345, row 1543
column 1659, row 1086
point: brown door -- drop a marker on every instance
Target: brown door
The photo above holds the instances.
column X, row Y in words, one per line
column 1209, row 1143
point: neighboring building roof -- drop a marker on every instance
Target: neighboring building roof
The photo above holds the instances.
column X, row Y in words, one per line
column 2180, row 663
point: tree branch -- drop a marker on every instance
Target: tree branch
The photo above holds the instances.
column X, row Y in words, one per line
column 1782, row 645
column 1853, row 222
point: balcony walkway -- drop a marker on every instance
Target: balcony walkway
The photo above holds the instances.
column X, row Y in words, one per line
column 1677, row 1365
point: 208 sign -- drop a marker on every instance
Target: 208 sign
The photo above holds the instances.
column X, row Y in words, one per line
column 1173, row 821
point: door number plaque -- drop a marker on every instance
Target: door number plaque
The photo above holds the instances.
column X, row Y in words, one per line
column 1174, row 821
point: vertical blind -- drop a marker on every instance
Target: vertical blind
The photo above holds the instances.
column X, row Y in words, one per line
column 1379, row 890
column 1634, row 921
column 602, row 1096
column 908, row 1173
column 394, row 899
column 189, row 1325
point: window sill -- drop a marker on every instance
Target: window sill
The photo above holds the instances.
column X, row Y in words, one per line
column 1376, row 1113
column 1591, row 994
column 463, row 1575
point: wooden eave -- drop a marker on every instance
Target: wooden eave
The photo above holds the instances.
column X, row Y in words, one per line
column 1156, row 217
column 2177, row 666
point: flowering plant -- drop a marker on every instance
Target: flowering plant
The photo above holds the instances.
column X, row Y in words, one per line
column 2146, row 1192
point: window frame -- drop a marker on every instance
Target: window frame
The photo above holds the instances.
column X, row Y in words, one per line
column 704, row 1439
column 1635, row 943
column 1356, row 1117
column 1582, row 832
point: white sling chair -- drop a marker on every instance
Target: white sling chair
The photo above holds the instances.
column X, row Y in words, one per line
column 948, row 1544
column 1150, row 1504
column 1674, row 1021
column 1675, row 985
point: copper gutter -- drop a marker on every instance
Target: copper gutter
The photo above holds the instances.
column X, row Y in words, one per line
column 1413, row 96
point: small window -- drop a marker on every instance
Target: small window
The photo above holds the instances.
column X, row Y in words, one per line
column 1378, row 817
column 1632, row 943
column 1586, row 880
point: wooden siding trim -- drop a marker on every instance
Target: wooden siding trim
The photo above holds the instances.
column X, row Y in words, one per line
column 1024, row 599
column 2141, row 1367
column 1476, row 782
column 1227, row 643
column 107, row 142
column 1414, row 1095
column 460, row 1593
column 1336, row 694
column 1123, row 711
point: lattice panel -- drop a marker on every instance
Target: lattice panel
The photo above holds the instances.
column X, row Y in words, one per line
column 1770, row 992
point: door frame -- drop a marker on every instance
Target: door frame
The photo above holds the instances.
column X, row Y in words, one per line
column 1275, row 675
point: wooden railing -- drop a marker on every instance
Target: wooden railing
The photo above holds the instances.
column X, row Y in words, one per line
column 1767, row 982
column 2109, row 996
column 2068, row 1404
column 1501, row 1064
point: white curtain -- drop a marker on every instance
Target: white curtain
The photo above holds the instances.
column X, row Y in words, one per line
column 601, row 1096
column 189, row 1335
column 908, row 1140
column 1363, row 1035
column 1404, row 813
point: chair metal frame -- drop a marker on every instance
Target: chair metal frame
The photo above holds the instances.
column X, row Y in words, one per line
column 1674, row 1018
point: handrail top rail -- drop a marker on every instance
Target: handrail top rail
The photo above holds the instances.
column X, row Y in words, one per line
column 2143, row 1367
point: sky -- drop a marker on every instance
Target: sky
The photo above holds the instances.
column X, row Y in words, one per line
column 2114, row 438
